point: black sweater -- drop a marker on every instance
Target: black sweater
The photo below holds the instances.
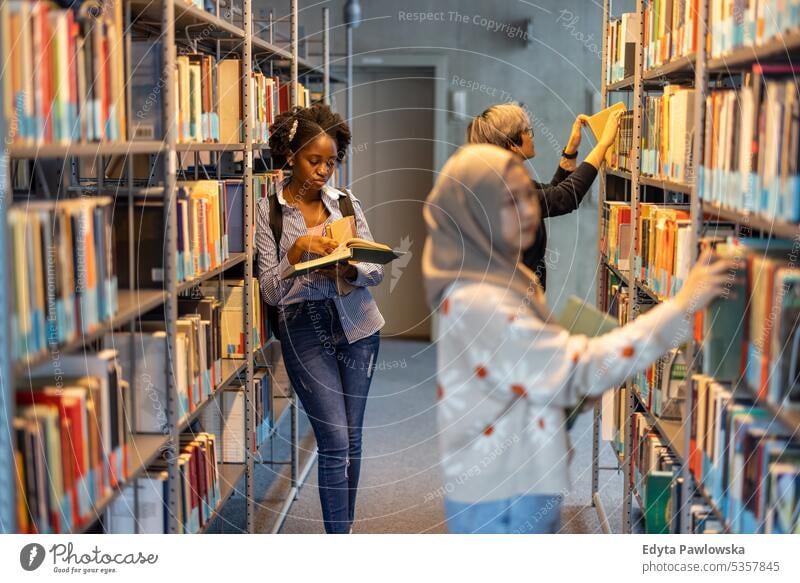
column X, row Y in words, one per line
column 561, row 196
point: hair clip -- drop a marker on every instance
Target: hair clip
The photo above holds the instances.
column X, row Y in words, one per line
column 293, row 131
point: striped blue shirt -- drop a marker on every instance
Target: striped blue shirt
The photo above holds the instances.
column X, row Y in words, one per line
column 358, row 312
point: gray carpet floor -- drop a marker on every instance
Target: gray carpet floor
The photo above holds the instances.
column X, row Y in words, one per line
column 400, row 475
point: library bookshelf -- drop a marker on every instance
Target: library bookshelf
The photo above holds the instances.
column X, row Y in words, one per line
column 703, row 73
column 179, row 25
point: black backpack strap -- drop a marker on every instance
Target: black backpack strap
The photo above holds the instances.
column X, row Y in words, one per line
column 275, row 221
column 276, row 225
column 346, row 204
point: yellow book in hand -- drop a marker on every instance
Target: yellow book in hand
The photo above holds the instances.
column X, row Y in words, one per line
column 597, row 123
column 353, row 250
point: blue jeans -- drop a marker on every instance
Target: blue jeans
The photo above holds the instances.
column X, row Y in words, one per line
column 332, row 379
column 532, row 514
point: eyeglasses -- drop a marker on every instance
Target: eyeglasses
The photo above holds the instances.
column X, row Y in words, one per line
column 529, row 130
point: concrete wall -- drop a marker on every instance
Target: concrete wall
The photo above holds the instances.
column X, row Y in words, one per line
column 556, row 76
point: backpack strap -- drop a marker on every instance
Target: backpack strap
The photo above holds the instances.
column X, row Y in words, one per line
column 346, row 204
column 276, row 220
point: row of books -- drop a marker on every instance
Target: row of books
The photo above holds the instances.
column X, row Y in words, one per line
column 71, row 423
column 615, row 233
column 668, row 134
column 63, row 271
column 230, row 293
column 64, row 79
column 621, row 38
column 663, row 248
column 229, row 419
column 653, row 470
column 744, row 460
column 622, row 152
column 747, row 23
column 198, row 496
column 71, row 438
column 209, row 97
column 670, row 30
column 208, row 212
column 613, row 406
column 752, row 138
column 209, row 328
column 660, row 385
column 751, row 335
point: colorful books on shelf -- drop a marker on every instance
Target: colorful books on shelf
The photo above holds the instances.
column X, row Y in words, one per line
column 663, row 253
column 263, row 102
column 198, row 494
column 744, row 460
column 736, row 23
column 196, row 114
column 202, row 236
column 752, row 334
column 72, row 439
column 228, row 419
column 64, row 80
column 615, row 233
column 668, row 134
column 231, row 295
column 150, row 352
column 750, row 160
column 621, row 37
column 202, row 226
column 660, row 385
column 63, row 273
column 285, row 100
column 670, row 30
column 197, row 364
column 654, row 469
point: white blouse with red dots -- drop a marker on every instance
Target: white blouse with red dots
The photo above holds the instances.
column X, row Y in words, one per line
column 505, row 379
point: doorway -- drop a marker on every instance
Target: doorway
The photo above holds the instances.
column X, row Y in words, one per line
column 393, row 172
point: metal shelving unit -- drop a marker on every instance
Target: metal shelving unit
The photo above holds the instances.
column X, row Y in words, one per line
column 696, row 67
column 172, row 20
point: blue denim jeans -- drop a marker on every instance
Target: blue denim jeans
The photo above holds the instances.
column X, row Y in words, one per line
column 532, row 514
column 332, row 379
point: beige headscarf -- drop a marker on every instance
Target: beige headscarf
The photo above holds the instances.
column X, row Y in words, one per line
column 465, row 239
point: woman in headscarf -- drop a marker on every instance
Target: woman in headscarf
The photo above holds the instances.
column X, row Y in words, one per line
column 506, row 372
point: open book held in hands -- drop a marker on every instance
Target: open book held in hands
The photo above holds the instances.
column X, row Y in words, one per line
column 351, row 249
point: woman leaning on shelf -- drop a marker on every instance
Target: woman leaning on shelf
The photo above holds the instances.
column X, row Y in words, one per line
column 507, row 125
column 506, row 371
column 329, row 339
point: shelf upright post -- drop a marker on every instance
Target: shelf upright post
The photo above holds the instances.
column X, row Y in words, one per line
column 131, row 356
column 295, row 421
column 326, row 55
column 8, row 466
column 696, row 213
column 170, row 252
column 633, row 308
column 601, row 279
column 249, row 397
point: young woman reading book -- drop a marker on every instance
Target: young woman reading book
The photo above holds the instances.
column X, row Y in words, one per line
column 507, row 125
column 506, row 371
column 329, row 339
